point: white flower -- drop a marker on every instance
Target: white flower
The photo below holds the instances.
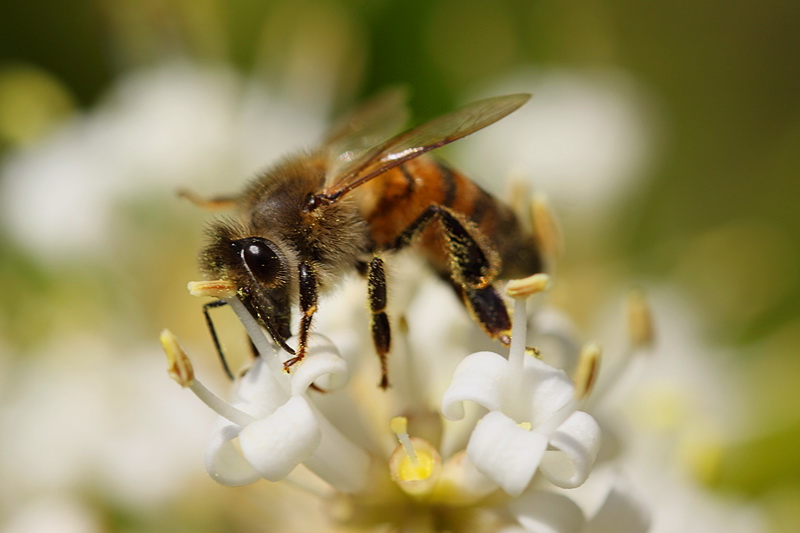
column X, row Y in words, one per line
column 273, row 421
column 533, row 422
column 584, row 137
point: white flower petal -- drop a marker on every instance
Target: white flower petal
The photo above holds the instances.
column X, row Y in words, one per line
column 259, row 392
column 480, row 377
column 506, row 452
column 546, row 512
column 546, row 390
column 576, row 443
column 276, row 444
column 224, row 462
column 321, row 361
column 621, row 511
column 338, row 461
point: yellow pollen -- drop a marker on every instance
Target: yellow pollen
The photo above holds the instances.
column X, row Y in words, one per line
column 179, row 366
column 526, row 426
column 218, row 288
column 416, row 471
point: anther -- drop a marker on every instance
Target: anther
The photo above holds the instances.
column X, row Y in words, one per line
column 587, row 370
column 545, row 227
column 179, row 366
column 218, row 288
column 525, row 287
column 640, row 321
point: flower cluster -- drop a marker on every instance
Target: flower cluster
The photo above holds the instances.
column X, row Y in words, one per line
column 503, row 448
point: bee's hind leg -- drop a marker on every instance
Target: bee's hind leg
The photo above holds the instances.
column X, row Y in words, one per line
column 381, row 330
column 473, row 263
column 487, row 309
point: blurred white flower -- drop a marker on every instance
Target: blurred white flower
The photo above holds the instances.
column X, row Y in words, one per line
column 157, row 130
column 86, row 414
column 671, row 410
column 584, row 137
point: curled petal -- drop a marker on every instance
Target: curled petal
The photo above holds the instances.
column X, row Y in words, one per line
column 576, row 443
column 480, row 377
column 224, row 462
column 546, row 512
column 505, row 452
column 322, row 362
column 276, row 444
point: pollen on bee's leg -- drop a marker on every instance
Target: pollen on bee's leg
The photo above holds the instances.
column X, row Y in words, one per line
column 415, row 465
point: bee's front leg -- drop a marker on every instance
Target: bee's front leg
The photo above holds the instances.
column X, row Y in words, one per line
column 308, row 306
column 381, row 331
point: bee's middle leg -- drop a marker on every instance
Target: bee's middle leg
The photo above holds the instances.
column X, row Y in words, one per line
column 381, row 330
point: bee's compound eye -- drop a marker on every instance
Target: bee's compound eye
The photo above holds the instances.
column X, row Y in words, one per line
column 261, row 258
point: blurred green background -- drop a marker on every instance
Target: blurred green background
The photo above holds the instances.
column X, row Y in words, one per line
column 712, row 211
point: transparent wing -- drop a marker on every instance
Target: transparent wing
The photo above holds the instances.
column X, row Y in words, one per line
column 416, row 141
column 365, row 127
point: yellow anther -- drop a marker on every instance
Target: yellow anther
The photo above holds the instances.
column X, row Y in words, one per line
column 587, row 370
column 527, row 426
column 218, row 288
column 399, row 425
column 525, row 287
column 640, row 320
column 545, row 226
column 179, row 366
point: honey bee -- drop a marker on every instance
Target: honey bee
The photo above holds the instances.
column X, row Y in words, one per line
column 312, row 218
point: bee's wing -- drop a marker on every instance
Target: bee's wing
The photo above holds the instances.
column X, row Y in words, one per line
column 369, row 124
column 416, row 141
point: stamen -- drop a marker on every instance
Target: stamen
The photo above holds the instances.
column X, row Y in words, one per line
column 640, row 321
column 179, row 366
column 180, row 369
column 525, row 287
column 218, row 288
column 415, row 465
column 521, row 290
column 545, row 227
column 400, row 429
column 587, row 370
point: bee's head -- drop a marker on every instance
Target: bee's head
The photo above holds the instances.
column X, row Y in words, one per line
column 262, row 271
